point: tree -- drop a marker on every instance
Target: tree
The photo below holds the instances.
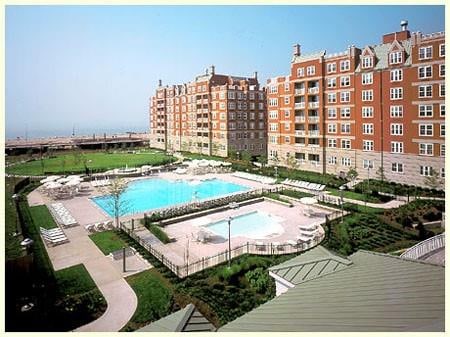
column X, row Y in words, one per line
column 291, row 162
column 433, row 181
column 262, row 159
column 352, row 174
column 232, row 154
column 246, row 156
column 380, row 174
column 116, row 204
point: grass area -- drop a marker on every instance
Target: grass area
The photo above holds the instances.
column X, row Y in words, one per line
column 42, row 217
column 359, row 196
column 295, row 194
column 63, row 300
column 75, row 162
column 155, row 299
column 398, row 189
column 74, row 280
column 12, row 243
column 108, row 241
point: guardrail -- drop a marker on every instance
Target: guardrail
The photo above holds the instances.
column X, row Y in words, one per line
column 423, row 248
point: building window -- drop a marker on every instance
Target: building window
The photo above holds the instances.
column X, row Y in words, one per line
column 273, row 114
column 287, row 139
column 442, row 150
column 232, row 95
column 426, row 110
column 345, row 96
column 442, row 130
column 273, row 89
column 346, row 144
column 346, row 161
column 345, row 128
column 396, row 111
column 331, row 67
column 332, row 113
column 332, row 142
column 286, row 86
column 287, row 113
column 425, row 129
column 397, row 147
column 396, row 93
column 425, row 170
column 396, row 75
column 273, row 102
column 425, row 91
column 332, row 160
column 300, row 72
column 367, row 145
column 367, row 62
column 442, row 50
column 367, row 128
column 367, row 78
column 397, row 167
column 345, row 65
column 396, row 57
column 332, row 98
column 345, row 112
column 286, row 100
column 332, row 128
column 441, row 70
column 396, row 129
column 425, row 149
column 442, row 172
column 425, row 52
column 310, row 70
column 345, row 81
column 367, row 164
column 231, row 105
column 331, row 82
column 273, row 126
column 442, row 90
column 287, row 126
column 367, row 112
column 425, row 72
column 367, row 95
column 442, row 110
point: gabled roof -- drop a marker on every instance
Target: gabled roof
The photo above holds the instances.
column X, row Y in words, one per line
column 395, row 45
column 308, row 57
column 381, row 54
column 188, row 319
column 313, row 264
column 378, row 292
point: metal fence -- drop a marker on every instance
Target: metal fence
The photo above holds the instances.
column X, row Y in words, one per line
column 189, row 268
column 425, row 247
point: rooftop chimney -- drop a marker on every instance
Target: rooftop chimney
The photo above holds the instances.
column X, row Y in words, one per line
column 160, row 83
column 296, row 50
column 256, row 75
column 213, row 69
column 404, row 25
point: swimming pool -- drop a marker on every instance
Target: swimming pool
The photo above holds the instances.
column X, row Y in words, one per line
column 254, row 225
column 149, row 194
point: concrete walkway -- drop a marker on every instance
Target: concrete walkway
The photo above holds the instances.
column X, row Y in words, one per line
column 120, row 297
column 387, row 205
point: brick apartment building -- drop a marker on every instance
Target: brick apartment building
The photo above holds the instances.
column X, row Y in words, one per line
column 378, row 106
column 214, row 115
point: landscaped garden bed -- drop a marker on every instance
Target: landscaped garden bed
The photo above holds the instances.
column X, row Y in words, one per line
column 398, row 189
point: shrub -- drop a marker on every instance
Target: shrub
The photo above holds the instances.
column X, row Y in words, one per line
column 159, row 233
column 258, row 279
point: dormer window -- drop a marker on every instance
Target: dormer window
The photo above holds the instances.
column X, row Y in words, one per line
column 367, row 62
column 396, row 57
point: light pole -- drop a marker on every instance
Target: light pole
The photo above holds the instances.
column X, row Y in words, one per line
column 229, row 241
column 341, row 189
column 237, row 155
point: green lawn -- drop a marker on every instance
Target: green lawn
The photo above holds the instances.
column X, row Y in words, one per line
column 74, row 162
column 74, row 280
column 12, row 243
column 42, row 217
column 155, row 299
column 108, row 241
column 356, row 196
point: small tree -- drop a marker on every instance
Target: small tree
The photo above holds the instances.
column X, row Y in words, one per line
column 42, row 165
column 262, row 160
column 291, row 162
column 116, row 204
column 77, row 156
column 380, row 174
column 433, row 181
column 246, row 157
column 232, row 154
column 352, row 174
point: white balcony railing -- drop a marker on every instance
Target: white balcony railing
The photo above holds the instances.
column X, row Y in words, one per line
column 314, row 90
column 300, row 144
column 313, row 119
column 300, row 91
column 299, row 119
column 313, row 133
column 299, row 105
column 313, row 105
column 300, row 132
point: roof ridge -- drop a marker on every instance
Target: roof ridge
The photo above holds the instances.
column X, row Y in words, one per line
column 320, row 259
column 396, row 257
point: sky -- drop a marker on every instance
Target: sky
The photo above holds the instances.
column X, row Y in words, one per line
column 95, row 67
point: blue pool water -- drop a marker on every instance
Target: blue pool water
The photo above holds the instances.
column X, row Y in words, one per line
column 149, row 194
column 253, row 225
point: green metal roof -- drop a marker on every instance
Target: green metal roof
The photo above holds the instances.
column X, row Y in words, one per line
column 377, row 292
column 188, row 319
column 314, row 263
column 381, row 52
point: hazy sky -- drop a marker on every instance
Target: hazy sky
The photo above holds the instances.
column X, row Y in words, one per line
column 96, row 66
